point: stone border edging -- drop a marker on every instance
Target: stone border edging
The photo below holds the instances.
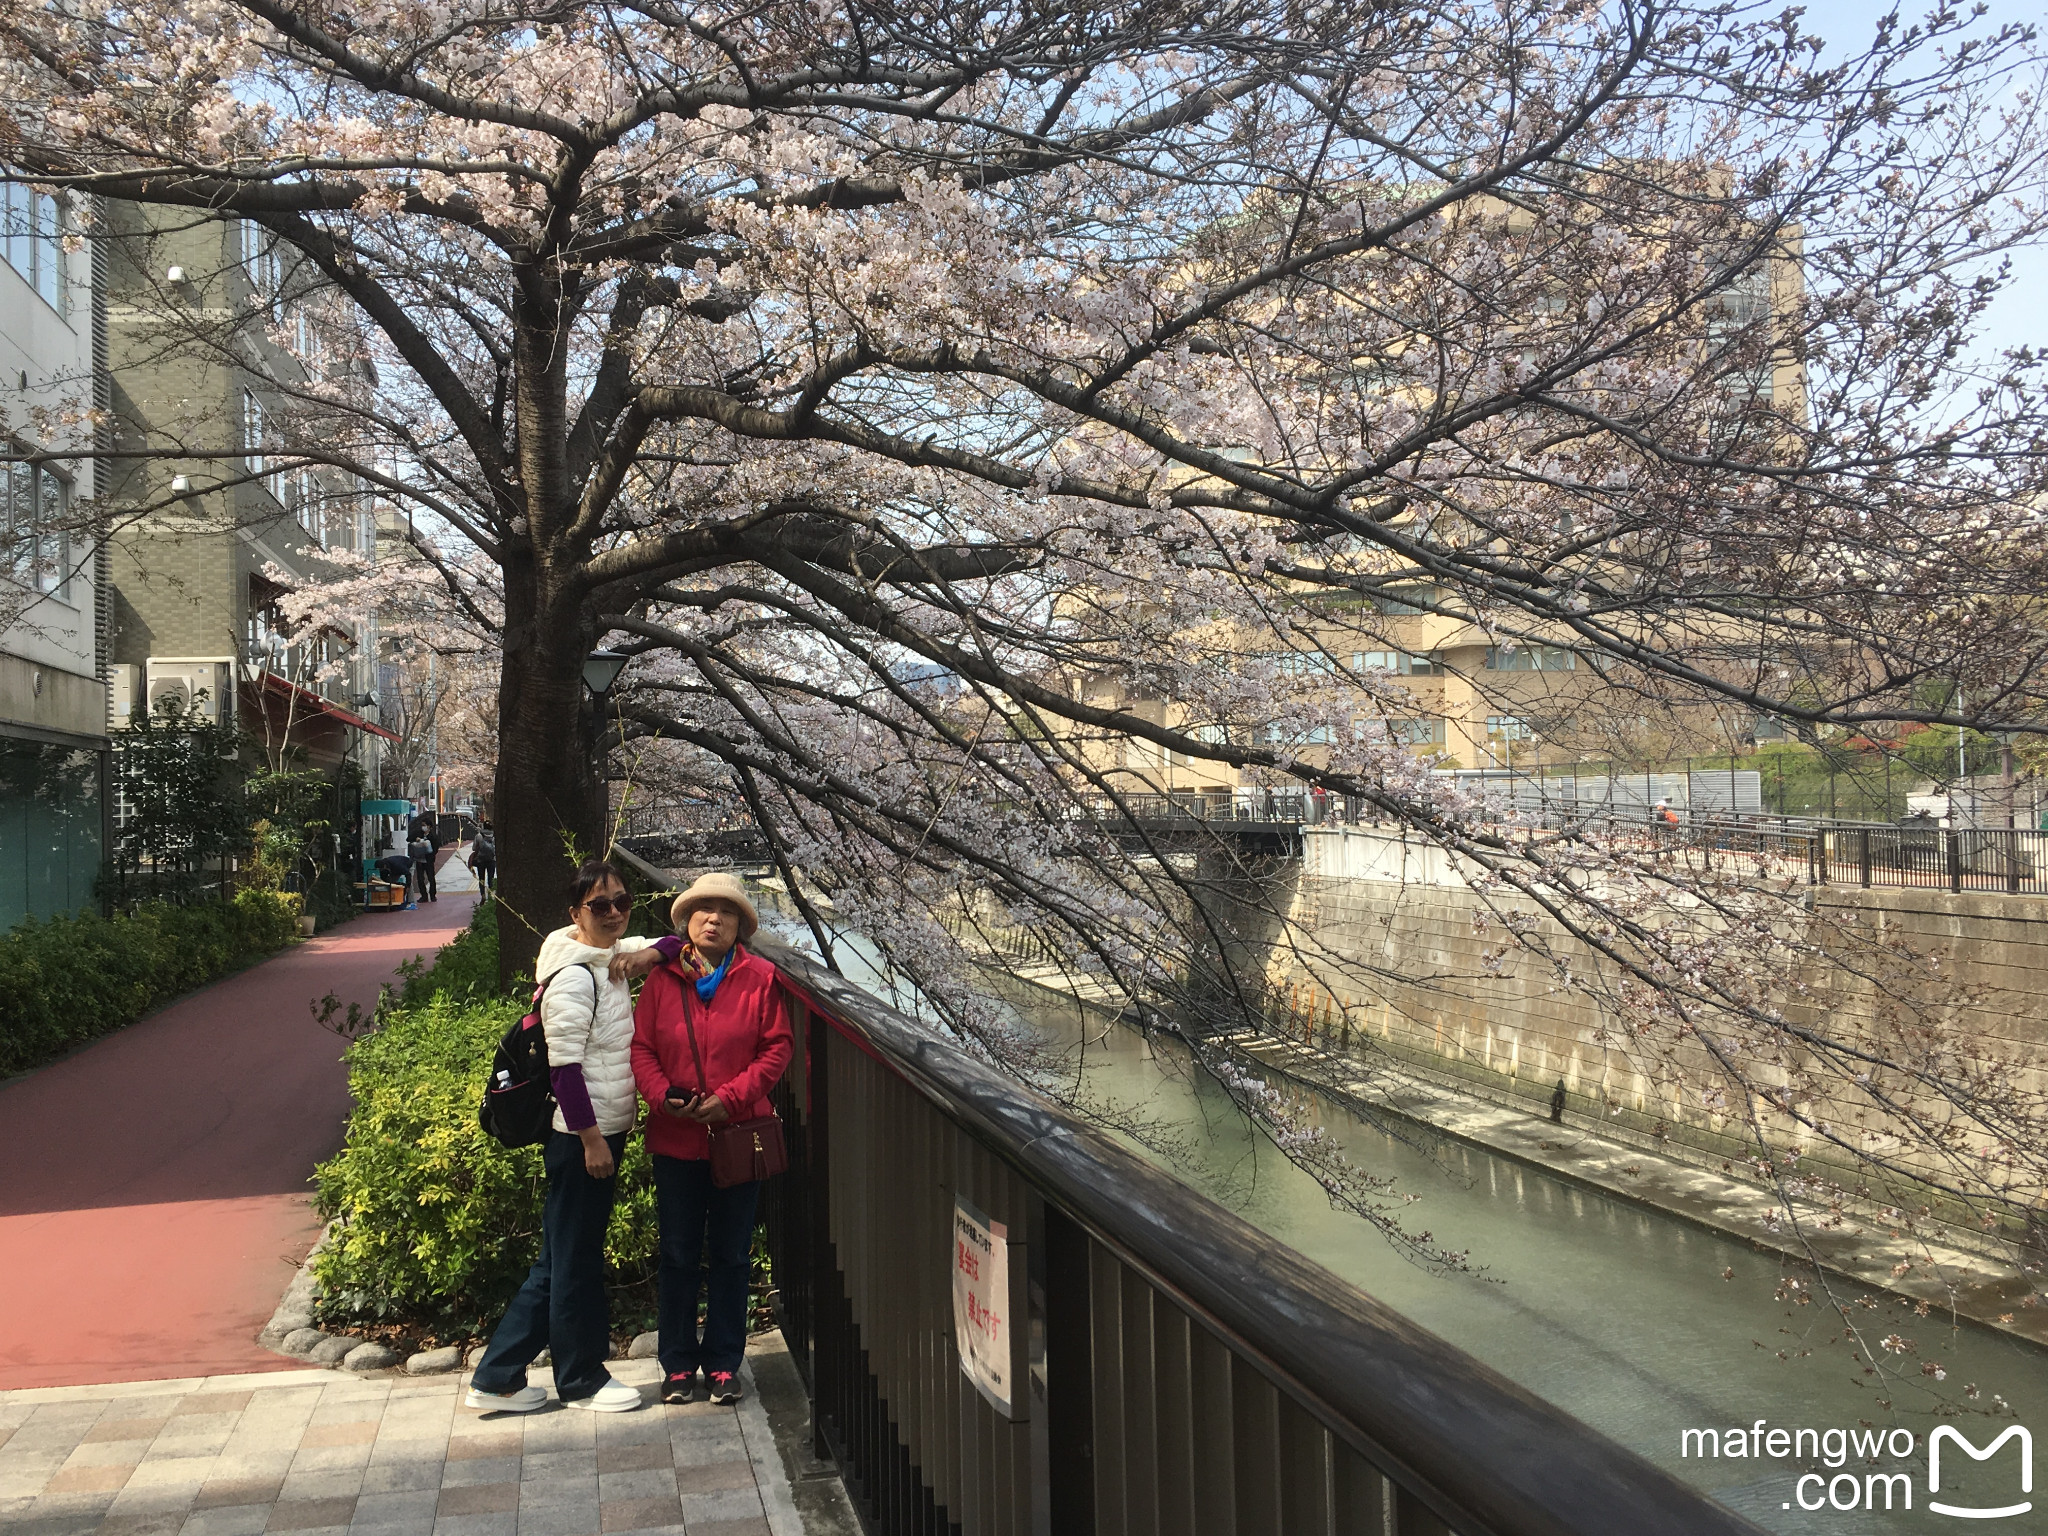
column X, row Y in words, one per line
column 291, row 1331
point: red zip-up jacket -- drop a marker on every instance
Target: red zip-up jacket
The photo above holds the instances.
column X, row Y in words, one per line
column 744, row 1035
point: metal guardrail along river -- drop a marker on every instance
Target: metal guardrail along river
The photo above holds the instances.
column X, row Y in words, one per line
column 2013, row 860
column 1176, row 1370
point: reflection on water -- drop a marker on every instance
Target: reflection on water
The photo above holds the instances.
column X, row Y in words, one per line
column 1618, row 1314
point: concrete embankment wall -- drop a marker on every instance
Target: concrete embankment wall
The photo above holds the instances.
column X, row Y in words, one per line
column 1370, row 937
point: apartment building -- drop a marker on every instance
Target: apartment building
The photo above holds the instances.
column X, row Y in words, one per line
column 221, row 520
column 1465, row 697
column 1443, row 688
column 53, row 697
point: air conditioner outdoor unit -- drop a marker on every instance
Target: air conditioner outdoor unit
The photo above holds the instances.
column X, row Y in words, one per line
column 123, row 679
column 197, row 685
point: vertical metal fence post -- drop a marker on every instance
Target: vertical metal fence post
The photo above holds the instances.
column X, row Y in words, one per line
column 1863, row 858
column 827, row 1363
column 2012, row 863
column 1952, row 851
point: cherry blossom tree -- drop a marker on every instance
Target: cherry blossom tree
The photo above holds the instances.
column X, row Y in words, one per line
column 944, row 405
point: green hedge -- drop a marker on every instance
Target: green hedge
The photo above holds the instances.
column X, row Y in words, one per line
column 435, row 1223
column 68, row 980
column 465, row 967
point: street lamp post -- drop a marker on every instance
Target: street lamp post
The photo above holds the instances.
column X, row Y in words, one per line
column 601, row 669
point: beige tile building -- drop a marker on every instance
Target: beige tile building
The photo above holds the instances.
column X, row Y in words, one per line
column 206, row 541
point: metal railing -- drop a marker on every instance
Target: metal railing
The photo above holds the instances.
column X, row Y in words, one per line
column 1177, row 1371
column 1284, row 806
column 2012, row 860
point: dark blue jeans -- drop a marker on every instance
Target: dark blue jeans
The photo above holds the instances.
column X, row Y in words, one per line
column 562, row 1306
column 702, row 1223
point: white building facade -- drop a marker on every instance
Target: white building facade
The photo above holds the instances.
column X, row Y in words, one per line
column 53, row 690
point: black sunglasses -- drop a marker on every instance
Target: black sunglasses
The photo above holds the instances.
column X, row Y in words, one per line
column 605, row 905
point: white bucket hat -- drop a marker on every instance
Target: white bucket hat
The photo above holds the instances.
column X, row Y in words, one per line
column 709, row 888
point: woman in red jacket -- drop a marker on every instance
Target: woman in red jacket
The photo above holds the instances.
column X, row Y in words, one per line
column 731, row 1002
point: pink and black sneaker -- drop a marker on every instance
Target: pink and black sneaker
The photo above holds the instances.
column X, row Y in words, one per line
column 725, row 1387
column 679, row 1387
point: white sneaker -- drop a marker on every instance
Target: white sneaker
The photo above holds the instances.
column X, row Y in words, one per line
column 525, row 1400
column 612, row 1397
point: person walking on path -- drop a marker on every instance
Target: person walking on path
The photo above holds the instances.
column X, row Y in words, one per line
column 483, row 860
column 711, row 1037
column 586, row 1009
column 421, row 852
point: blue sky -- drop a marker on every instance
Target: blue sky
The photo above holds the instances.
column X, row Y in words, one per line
column 2020, row 316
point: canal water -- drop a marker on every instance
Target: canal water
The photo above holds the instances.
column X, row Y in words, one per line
column 1642, row 1325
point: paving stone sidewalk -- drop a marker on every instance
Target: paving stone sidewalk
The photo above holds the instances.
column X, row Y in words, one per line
column 324, row 1452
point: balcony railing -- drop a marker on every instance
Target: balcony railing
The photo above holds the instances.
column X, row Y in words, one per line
column 1176, row 1370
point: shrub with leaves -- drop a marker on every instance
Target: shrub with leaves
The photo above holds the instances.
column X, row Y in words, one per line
column 68, row 980
column 466, row 966
column 435, row 1223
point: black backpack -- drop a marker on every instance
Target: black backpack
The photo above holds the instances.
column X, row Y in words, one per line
column 518, row 1108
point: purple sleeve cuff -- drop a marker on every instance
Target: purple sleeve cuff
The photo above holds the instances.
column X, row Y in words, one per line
column 572, row 1096
column 670, row 945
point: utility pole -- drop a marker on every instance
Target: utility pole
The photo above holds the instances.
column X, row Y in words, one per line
column 1962, row 760
column 2005, row 779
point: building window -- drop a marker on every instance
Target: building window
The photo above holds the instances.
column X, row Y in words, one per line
column 51, row 852
column 34, row 245
column 1508, row 729
column 1408, row 600
column 1768, row 728
column 302, row 499
column 1530, row 658
column 1300, row 663
column 1738, row 333
column 1407, row 733
column 306, row 338
column 36, row 516
column 1398, row 662
column 259, row 259
column 253, row 429
column 1295, row 736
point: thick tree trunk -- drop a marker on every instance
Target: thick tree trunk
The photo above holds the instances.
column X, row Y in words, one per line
column 551, row 794
column 549, row 805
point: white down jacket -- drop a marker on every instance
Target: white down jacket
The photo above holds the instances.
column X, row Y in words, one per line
column 600, row 1040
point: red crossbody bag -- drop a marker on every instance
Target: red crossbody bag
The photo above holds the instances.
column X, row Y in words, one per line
column 741, row 1150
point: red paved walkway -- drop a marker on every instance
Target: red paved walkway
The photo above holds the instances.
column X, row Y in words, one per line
column 154, row 1196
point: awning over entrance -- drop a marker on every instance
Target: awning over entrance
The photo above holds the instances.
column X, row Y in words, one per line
column 305, row 698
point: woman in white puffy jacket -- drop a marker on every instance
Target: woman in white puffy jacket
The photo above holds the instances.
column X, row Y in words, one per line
column 586, row 1008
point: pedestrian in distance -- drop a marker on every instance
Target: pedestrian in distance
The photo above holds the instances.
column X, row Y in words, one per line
column 395, row 868
column 711, row 1037
column 421, row 852
column 1664, row 829
column 586, row 1009
column 483, row 860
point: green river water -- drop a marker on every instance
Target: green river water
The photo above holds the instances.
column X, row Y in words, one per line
column 1615, row 1312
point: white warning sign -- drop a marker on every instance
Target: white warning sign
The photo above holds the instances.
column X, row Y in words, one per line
column 981, row 1303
